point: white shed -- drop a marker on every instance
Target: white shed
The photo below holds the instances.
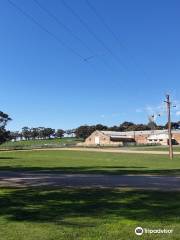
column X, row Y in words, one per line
column 161, row 138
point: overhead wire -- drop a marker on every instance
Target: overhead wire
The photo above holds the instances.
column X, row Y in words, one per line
column 70, row 31
column 86, row 26
column 109, row 29
column 32, row 19
column 93, row 9
column 59, row 22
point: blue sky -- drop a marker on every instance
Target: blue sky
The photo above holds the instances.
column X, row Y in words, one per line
column 44, row 83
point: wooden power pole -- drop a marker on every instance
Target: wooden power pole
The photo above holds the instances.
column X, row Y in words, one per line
column 169, row 126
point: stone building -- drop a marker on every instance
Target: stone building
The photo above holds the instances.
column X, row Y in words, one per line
column 108, row 138
column 112, row 138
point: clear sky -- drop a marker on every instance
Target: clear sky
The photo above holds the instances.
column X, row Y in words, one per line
column 98, row 74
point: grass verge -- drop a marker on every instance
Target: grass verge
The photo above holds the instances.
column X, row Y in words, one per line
column 89, row 162
column 54, row 214
column 40, row 143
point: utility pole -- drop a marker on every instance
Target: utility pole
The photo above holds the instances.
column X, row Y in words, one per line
column 169, row 125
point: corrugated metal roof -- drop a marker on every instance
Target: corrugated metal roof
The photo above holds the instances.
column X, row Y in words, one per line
column 132, row 133
column 121, row 137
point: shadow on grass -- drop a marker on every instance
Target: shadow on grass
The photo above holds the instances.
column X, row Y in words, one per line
column 111, row 170
column 57, row 205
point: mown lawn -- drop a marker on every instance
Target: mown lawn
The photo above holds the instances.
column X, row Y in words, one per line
column 87, row 214
column 40, row 143
column 76, row 214
column 176, row 148
column 89, row 162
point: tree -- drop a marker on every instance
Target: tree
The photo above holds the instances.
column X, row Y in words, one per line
column 26, row 133
column 40, row 132
column 34, row 133
column 174, row 125
column 84, row 131
column 141, row 127
column 152, row 125
column 114, row 128
column 160, row 127
column 14, row 135
column 125, row 126
column 101, row 127
column 4, row 119
column 59, row 133
column 4, row 134
column 48, row 132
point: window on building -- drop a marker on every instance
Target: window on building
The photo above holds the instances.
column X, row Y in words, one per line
column 89, row 139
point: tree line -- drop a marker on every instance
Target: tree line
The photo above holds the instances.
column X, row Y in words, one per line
column 80, row 132
column 85, row 130
column 37, row 133
column 4, row 134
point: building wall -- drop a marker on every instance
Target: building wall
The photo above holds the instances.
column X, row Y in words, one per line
column 141, row 138
column 176, row 136
column 103, row 140
column 158, row 141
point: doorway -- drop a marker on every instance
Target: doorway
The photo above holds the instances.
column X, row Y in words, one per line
column 97, row 141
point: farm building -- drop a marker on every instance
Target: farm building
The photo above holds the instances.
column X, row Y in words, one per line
column 112, row 138
column 161, row 138
column 108, row 138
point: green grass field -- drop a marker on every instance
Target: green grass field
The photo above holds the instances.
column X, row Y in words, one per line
column 176, row 148
column 89, row 162
column 87, row 214
column 72, row 214
column 56, row 142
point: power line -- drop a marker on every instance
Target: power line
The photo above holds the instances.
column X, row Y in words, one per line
column 32, row 19
column 69, row 30
column 56, row 19
column 92, row 33
column 90, row 5
column 108, row 28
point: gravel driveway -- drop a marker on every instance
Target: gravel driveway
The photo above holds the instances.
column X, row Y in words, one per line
column 49, row 178
column 83, row 149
